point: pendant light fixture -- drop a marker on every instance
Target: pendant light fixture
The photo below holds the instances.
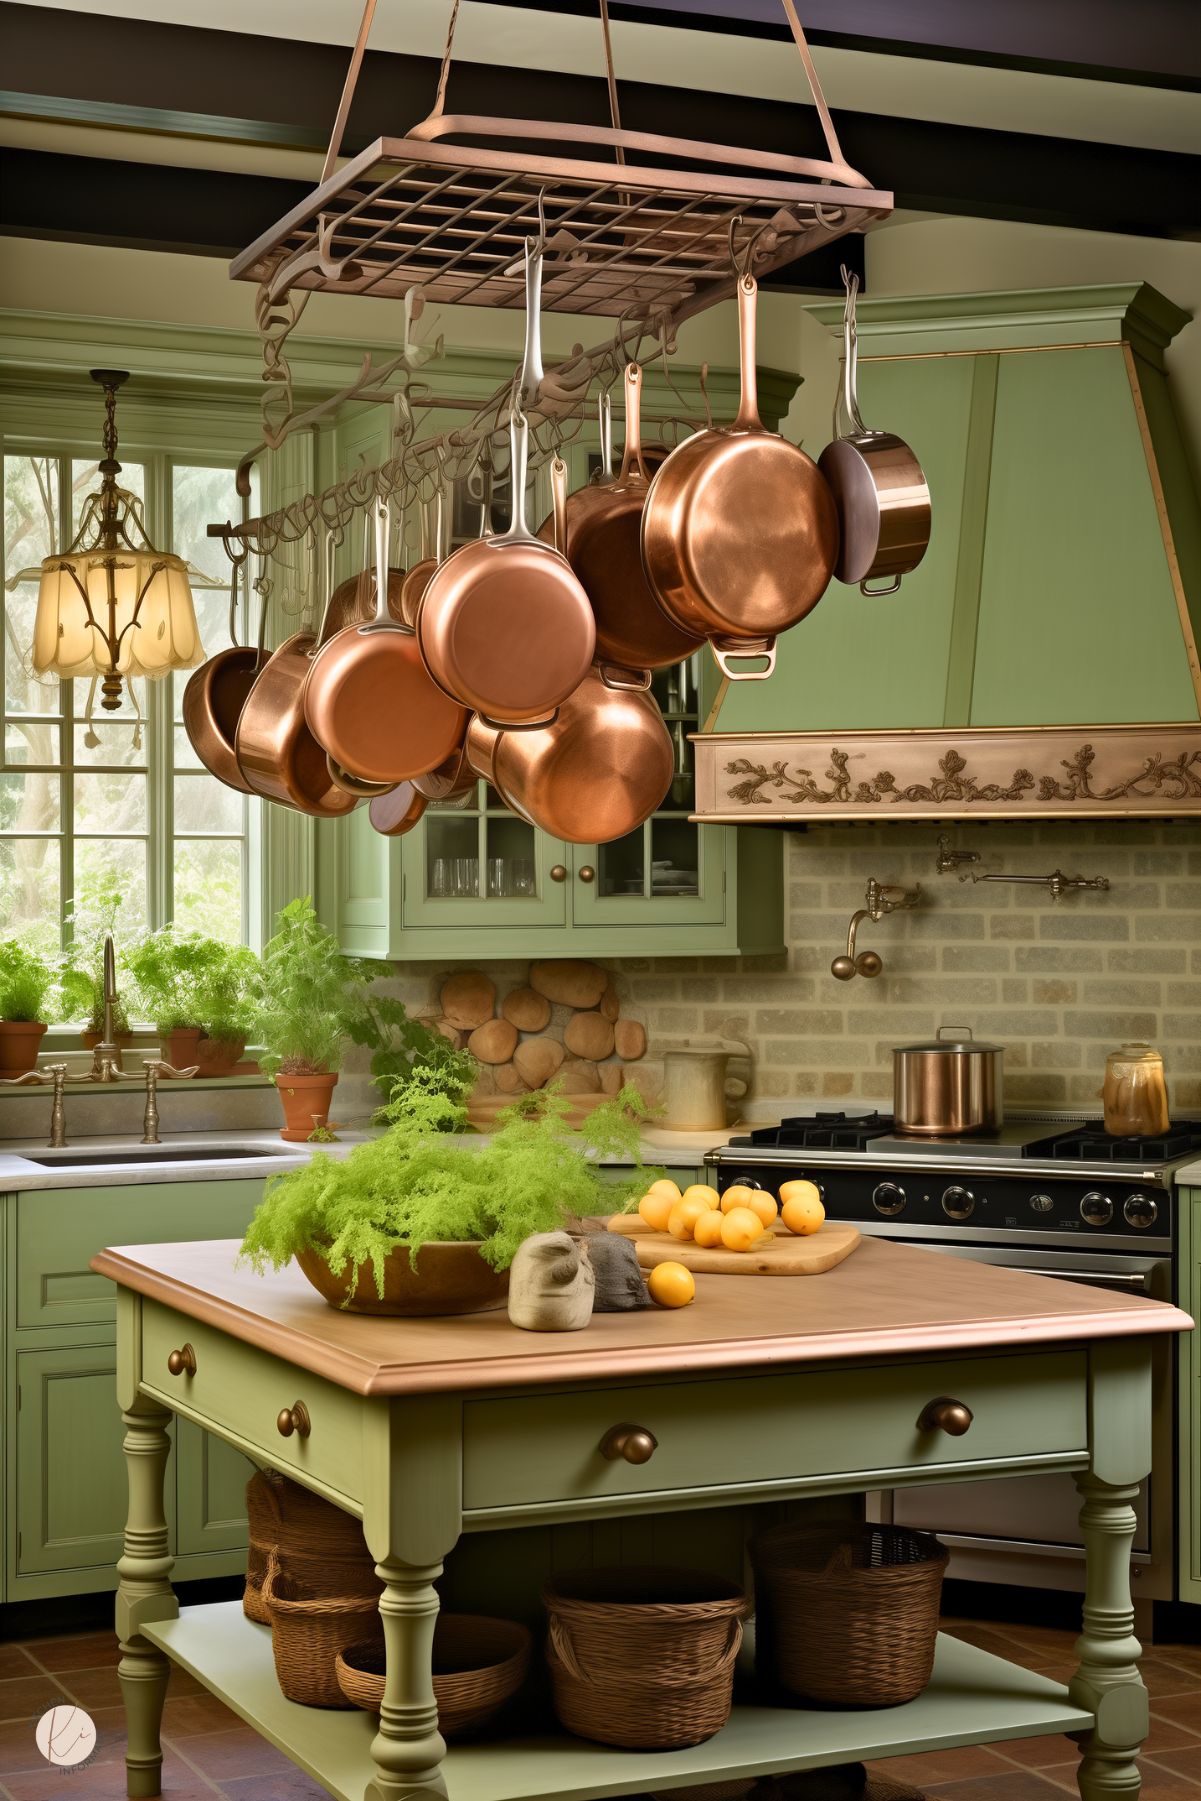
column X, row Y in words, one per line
column 111, row 605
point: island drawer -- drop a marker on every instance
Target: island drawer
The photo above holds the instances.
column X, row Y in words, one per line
column 239, row 1389
column 736, row 1432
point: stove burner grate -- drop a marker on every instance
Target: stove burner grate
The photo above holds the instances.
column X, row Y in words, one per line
column 821, row 1132
column 1091, row 1143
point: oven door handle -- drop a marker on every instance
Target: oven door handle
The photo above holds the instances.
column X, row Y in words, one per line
column 1099, row 1278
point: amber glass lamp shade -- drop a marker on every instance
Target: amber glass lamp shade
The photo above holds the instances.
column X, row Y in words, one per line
column 153, row 621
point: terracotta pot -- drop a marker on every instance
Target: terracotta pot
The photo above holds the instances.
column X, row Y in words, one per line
column 179, row 1046
column 306, row 1102
column 449, row 1278
column 20, row 1041
column 217, row 1056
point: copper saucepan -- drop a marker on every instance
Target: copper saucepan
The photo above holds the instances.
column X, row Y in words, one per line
column 595, row 773
column 216, row 693
column 433, row 548
column 603, row 546
column 277, row 754
column 739, row 531
column 881, row 493
column 369, row 700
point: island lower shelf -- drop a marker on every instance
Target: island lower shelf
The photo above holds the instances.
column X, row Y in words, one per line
column 972, row 1698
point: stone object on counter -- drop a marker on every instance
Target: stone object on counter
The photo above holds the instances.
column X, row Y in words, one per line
column 494, row 1041
column 570, row 981
column 525, row 1008
column 538, row 1059
column 579, row 1077
column 551, row 1284
column 468, row 999
column 620, row 1283
column 629, row 1039
column 509, row 1080
column 589, row 1035
column 610, row 1006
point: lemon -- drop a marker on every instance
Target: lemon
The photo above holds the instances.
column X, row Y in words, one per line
column 740, row 1229
column 681, row 1221
column 701, row 1191
column 707, row 1230
column 671, row 1285
column 655, row 1209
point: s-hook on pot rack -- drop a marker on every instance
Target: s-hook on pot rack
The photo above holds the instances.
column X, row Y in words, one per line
column 647, row 242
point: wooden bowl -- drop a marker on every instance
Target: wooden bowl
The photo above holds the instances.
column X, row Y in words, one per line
column 479, row 1664
column 449, row 1278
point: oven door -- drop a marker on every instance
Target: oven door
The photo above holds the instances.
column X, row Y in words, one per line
column 1027, row 1530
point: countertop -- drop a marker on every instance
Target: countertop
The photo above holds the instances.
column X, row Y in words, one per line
column 885, row 1300
column 1189, row 1174
column 250, row 1153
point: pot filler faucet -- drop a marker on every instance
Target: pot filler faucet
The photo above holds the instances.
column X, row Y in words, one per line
column 878, row 903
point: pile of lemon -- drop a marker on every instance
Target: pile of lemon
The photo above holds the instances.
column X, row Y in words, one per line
column 735, row 1220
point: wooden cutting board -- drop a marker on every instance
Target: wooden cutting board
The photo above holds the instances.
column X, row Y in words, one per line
column 782, row 1254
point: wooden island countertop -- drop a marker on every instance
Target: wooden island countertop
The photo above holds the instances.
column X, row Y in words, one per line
column 884, row 1300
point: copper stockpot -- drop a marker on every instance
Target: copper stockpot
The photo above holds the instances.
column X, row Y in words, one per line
column 881, row 494
column 595, row 773
column 216, row 693
column 739, row 531
column 603, row 546
column 948, row 1087
column 369, row 699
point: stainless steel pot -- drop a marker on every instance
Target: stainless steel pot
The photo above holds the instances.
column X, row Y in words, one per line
column 952, row 1086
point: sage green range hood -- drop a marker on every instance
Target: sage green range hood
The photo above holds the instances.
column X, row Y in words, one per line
column 1042, row 659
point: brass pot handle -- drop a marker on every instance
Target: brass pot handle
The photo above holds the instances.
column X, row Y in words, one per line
column 634, row 1443
column 294, row 1419
column 182, row 1362
column 945, row 1414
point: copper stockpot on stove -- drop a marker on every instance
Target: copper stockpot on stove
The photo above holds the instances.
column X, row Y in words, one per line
column 948, row 1087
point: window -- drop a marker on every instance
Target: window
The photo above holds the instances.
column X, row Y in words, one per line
column 114, row 807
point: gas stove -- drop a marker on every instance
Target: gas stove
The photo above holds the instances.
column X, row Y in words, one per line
column 1036, row 1179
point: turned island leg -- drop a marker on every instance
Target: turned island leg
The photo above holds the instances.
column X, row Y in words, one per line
column 408, row 1749
column 144, row 1594
column 1107, row 1682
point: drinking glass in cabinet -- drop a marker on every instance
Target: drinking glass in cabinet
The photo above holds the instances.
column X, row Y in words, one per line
column 452, row 857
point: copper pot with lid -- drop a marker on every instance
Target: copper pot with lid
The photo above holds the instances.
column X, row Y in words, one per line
column 948, row 1087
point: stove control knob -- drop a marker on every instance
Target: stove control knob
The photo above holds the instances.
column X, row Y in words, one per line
column 1140, row 1211
column 888, row 1199
column 1041, row 1203
column 958, row 1203
column 744, row 1182
column 1096, row 1209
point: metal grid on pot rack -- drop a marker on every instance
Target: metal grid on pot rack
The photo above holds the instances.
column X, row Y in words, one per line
column 621, row 240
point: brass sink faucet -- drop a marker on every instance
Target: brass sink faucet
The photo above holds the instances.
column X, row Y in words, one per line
column 106, row 1058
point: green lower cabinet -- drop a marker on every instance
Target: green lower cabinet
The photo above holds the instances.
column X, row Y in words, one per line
column 210, row 1491
column 1189, row 1388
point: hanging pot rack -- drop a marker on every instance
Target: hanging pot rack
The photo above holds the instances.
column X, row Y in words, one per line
column 443, row 213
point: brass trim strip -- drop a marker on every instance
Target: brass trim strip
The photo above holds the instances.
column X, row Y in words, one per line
column 915, row 356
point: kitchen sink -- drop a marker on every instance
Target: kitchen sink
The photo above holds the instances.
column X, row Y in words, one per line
column 152, row 1153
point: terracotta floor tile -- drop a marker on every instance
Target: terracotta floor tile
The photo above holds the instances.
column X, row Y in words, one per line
column 940, row 1766
column 1168, row 1735
column 1040, row 1753
column 184, row 1716
column 1164, row 1678
column 1017, row 1785
column 1160, row 1784
column 232, row 1755
column 988, row 1638
column 1050, row 1638
column 19, row 1752
column 104, row 1782
column 293, row 1785
column 13, row 1663
column 92, row 1688
column 1183, row 1762
column 1182, row 1710
column 88, row 1651
column 25, row 1697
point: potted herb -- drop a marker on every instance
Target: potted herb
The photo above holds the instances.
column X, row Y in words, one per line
column 312, row 992
column 228, row 1001
column 167, row 966
column 418, row 1222
column 30, row 994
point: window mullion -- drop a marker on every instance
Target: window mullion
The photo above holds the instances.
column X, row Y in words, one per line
column 66, row 699
column 160, row 748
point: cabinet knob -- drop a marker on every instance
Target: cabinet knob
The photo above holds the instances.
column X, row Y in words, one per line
column 558, row 873
column 634, row 1443
column 587, row 873
column 945, row 1414
column 294, row 1419
column 182, row 1362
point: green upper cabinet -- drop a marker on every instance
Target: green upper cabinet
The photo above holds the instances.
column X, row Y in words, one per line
column 1064, row 519
column 473, row 879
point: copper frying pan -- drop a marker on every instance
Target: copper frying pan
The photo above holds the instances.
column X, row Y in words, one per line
column 603, row 547
column 595, row 773
column 739, row 531
column 881, row 494
column 277, row 754
column 369, row 700
column 432, row 551
column 216, row 693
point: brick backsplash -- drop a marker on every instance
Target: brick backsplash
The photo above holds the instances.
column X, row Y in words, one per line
column 1059, row 983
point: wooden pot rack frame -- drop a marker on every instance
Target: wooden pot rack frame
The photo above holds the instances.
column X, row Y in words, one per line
column 648, row 243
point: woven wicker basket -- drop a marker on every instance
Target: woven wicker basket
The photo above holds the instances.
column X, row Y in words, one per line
column 309, row 1628
column 849, row 1621
column 479, row 1665
column 643, row 1658
column 311, row 1536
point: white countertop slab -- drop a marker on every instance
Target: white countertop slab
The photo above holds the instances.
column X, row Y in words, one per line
column 1189, row 1174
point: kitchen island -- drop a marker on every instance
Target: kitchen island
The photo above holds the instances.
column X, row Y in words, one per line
column 764, row 1390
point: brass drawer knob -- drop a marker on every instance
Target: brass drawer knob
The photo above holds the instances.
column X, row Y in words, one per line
column 558, row 872
column 587, row 873
column 944, row 1414
column 634, row 1443
column 294, row 1419
column 182, row 1362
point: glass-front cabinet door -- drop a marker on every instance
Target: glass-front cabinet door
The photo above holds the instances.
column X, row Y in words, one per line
column 475, row 863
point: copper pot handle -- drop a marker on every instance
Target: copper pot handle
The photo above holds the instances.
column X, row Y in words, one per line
column 878, row 593
column 631, row 456
column 723, row 657
column 624, row 681
column 558, row 493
